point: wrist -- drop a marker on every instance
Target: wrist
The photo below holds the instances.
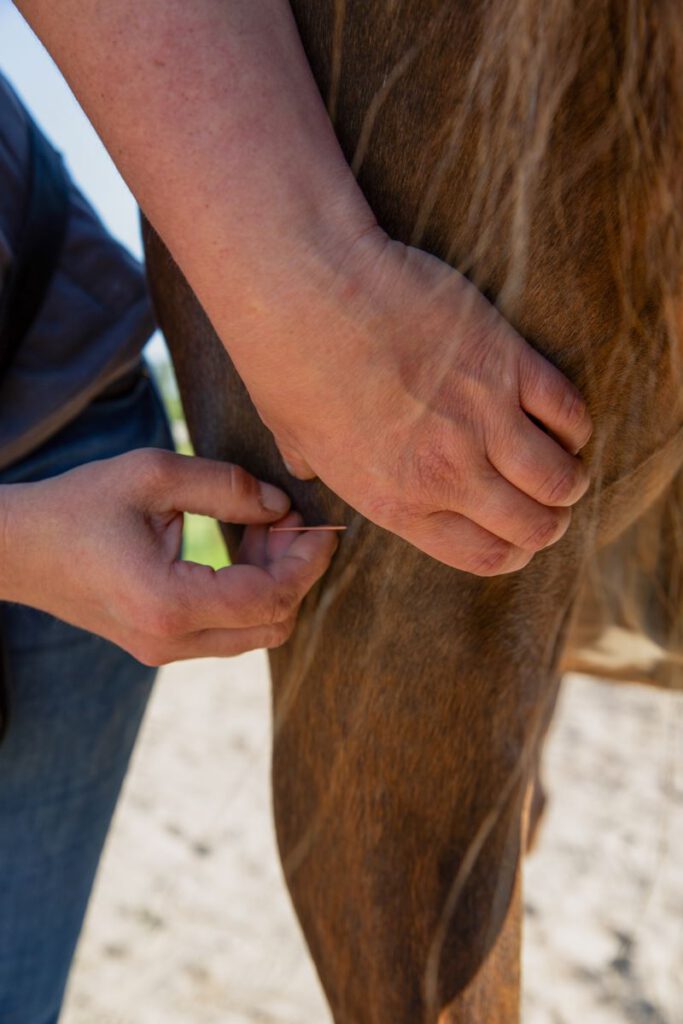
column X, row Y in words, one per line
column 306, row 317
column 285, row 276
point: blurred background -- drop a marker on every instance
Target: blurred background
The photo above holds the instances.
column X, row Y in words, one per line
column 190, row 920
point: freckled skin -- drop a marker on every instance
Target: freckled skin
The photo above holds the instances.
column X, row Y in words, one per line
column 412, row 699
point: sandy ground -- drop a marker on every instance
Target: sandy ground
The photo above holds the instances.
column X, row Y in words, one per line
column 191, row 922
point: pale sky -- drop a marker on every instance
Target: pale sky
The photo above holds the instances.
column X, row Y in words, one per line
column 32, row 72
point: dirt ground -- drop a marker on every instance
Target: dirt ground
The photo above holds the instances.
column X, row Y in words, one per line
column 191, row 922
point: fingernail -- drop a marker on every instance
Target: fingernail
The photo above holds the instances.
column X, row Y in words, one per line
column 273, row 499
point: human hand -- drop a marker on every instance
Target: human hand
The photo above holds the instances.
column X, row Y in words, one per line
column 99, row 547
column 414, row 403
column 384, row 372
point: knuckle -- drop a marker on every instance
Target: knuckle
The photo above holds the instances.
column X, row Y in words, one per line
column 153, row 466
column 561, row 395
column 575, row 413
column 499, row 558
column 436, row 473
column 283, row 602
column 549, row 529
column 572, row 407
column 156, row 463
column 164, row 621
column 518, row 560
column 279, row 633
column 491, row 560
column 387, row 512
column 584, row 431
column 531, row 369
column 562, row 486
column 240, row 483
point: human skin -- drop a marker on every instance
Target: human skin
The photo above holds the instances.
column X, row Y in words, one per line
column 115, row 570
column 376, row 366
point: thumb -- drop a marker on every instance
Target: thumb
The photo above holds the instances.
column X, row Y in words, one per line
column 218, row 489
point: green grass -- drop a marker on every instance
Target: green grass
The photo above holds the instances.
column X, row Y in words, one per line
column 202, row 542
column 202, row 539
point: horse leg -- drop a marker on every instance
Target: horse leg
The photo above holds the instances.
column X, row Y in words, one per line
column 493, row 995
column 402, row 759
column 410, row 703
column 406, row 708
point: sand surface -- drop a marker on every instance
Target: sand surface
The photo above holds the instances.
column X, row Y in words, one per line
column 191, row 922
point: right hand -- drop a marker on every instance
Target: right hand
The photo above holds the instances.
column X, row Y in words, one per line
column 99, row 547
column 415, row 401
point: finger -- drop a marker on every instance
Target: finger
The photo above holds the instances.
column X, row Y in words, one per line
column 245, row 596
column 545, row 393
column 261, row 547
column 217, row 489
column 538, row 465
column 503, row 510
column 252, row 549
column 457, row 541
column 278, row 544
column 224, row 643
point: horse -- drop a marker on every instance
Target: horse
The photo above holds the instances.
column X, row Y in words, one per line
column 538, row 148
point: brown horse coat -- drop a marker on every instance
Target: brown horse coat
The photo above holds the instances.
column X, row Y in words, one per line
column 538, row 147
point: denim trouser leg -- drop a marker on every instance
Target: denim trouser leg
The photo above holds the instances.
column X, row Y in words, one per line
column 75, row 703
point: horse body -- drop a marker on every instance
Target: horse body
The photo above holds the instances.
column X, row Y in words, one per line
column 538, row 148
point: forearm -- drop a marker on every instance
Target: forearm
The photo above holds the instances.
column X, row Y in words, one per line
column 211, row 113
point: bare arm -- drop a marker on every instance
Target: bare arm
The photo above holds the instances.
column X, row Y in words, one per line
column 210, row 111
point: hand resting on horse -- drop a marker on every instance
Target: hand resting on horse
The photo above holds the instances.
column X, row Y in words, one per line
column 99, row 547
column 377, row 367
column 419, row 414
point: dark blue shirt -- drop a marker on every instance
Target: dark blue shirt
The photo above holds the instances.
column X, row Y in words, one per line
column 95, row 319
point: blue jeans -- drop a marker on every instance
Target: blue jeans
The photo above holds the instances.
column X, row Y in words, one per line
column 74, row 703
